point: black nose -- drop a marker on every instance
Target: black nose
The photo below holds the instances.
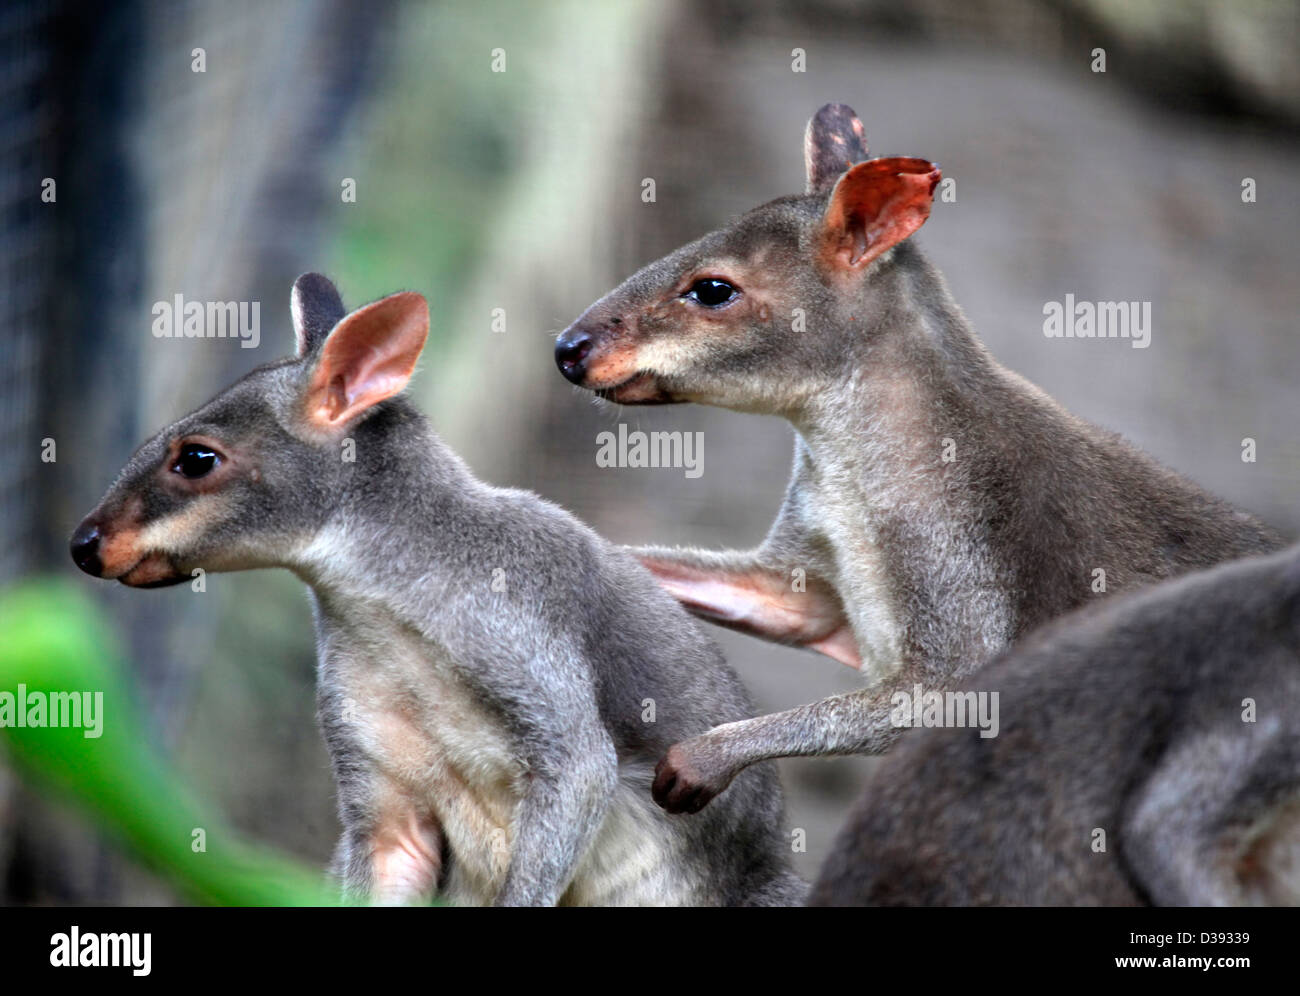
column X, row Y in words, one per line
column 85, row 549
column 571, row 351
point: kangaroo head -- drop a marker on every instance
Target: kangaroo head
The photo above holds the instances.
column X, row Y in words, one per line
column 742, row 316
column 245, row 480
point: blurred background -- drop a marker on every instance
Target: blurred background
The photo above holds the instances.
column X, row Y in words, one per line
column 521, row 190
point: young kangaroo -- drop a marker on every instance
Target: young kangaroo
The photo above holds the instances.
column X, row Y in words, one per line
column 496, row 682
column 1149, row 752
column 940, row 506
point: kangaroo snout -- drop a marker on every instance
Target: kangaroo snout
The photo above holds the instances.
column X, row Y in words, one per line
column 607, row 362
column 108, row 544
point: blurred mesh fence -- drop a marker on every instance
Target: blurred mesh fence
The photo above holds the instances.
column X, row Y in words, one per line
column 163, row 178
column 26, row 250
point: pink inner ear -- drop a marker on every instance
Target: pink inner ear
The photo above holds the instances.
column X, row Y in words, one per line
column 334, row 398
column 876, row 205
column 369, row 356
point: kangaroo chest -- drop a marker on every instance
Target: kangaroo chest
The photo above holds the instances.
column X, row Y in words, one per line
column 918, row 584
column 852, row 562
column 415, row 748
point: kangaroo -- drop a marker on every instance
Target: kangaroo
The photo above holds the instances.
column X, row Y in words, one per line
column 940, row 506
column 1148, row 753
column 495, row 681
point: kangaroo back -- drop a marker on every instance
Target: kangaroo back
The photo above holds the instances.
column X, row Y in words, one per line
column 1148, row 752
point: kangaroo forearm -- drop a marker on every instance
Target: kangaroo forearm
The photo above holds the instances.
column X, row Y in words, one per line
column 729, row 561
column 556, row 825
column 697, row 770
column 853, row 723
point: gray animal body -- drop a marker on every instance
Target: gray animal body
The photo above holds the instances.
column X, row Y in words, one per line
column 1149, row 752
column 496, row 682
column 940, row 506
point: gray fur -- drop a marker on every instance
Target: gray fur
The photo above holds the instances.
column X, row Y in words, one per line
column 1127, row 718
column 930, row 566
column 470, row 637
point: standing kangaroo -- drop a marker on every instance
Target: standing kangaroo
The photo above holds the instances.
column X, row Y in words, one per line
column 940, row 505
column 1148, row 752
column 495, row 681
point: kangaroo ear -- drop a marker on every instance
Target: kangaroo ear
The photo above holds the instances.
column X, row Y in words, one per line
column 874, row 206
column 834, row 141
column 316, row 308
column 369, row 356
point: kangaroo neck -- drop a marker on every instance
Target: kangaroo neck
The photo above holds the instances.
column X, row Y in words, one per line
column 890, row 419
column 882, row 460
column 401, row 512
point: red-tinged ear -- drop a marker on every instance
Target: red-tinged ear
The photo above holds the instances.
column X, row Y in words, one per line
column 369, row 356
column 875, row 206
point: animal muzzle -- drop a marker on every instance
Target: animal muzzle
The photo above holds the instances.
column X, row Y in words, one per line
column 117, row 556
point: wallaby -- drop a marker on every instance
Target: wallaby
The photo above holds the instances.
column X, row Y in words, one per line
column 1148, row 752
column 495, row 681
column 940, row 505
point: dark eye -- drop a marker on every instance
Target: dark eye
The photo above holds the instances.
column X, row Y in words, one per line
column 195, row 460
column 712, row 293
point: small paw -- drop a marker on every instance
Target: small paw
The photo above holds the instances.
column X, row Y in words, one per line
column 684, row 781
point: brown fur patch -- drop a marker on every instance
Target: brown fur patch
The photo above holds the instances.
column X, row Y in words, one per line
column 152, row 569
column 119, row 544
column 612, row 363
